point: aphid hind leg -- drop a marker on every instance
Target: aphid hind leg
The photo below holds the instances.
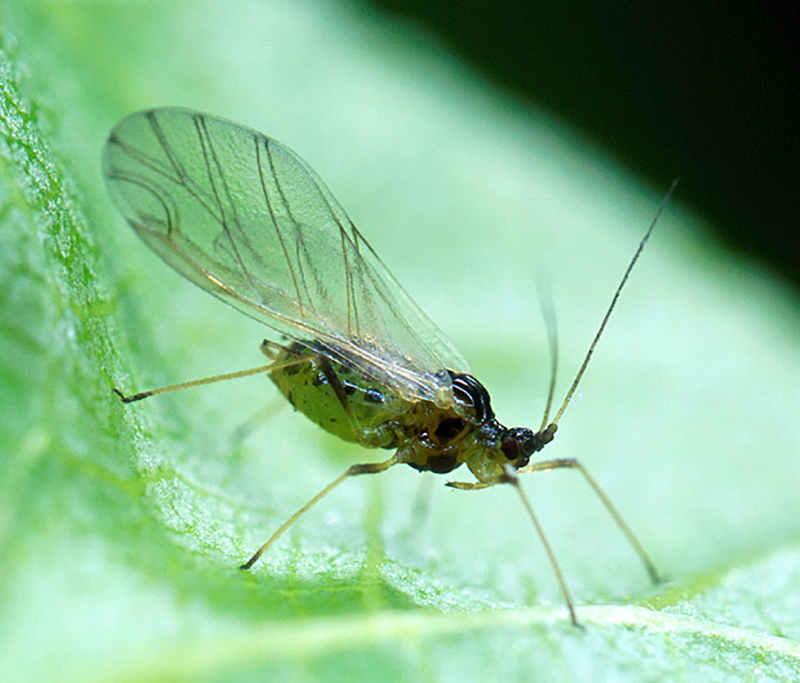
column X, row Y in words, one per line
column 571, row 463
column 354, row 470
column 266, row 348
column 341, row 395
column 131, row 398
column 335, row 383
column 270, row 349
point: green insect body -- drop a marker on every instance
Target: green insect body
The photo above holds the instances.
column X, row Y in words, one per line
column 338, row 399
column 247, row 220
column 425, row 435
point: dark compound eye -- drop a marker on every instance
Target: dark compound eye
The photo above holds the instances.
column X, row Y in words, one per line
column 510, row 448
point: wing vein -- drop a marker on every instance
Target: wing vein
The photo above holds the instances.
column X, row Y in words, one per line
column 275, row 225
column 247, row 220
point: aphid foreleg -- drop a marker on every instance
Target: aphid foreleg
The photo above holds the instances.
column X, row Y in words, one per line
column 364, row 468
column 468, row 485
column 571, row 463
column 511, row 478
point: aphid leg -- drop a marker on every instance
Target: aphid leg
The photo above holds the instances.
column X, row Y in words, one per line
column 571, row 463
column 256, row 419
column 468, row 485
column 335, row 383
column 270, row 349
column 421, row 504
column 338, row 389
column 364, row 468
column 510, row 477
column 131, row 398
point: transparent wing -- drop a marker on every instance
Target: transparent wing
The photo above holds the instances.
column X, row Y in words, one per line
column 247, row 220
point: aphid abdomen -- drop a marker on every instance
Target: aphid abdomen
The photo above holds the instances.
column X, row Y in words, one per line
column 339, row 399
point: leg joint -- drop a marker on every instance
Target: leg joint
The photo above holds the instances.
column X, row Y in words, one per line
column 369, row 468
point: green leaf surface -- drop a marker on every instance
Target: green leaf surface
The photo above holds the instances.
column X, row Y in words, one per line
column 121, row 527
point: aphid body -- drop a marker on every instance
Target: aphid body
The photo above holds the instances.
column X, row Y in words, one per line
column 425, row 435
column 247, row 220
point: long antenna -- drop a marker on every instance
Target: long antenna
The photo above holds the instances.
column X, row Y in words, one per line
column 635, row 258
column 549, row 316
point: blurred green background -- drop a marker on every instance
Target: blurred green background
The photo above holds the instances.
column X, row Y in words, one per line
column 121, row 527
column 685, row 89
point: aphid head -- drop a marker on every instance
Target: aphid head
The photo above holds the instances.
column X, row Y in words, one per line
column 518, row 444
